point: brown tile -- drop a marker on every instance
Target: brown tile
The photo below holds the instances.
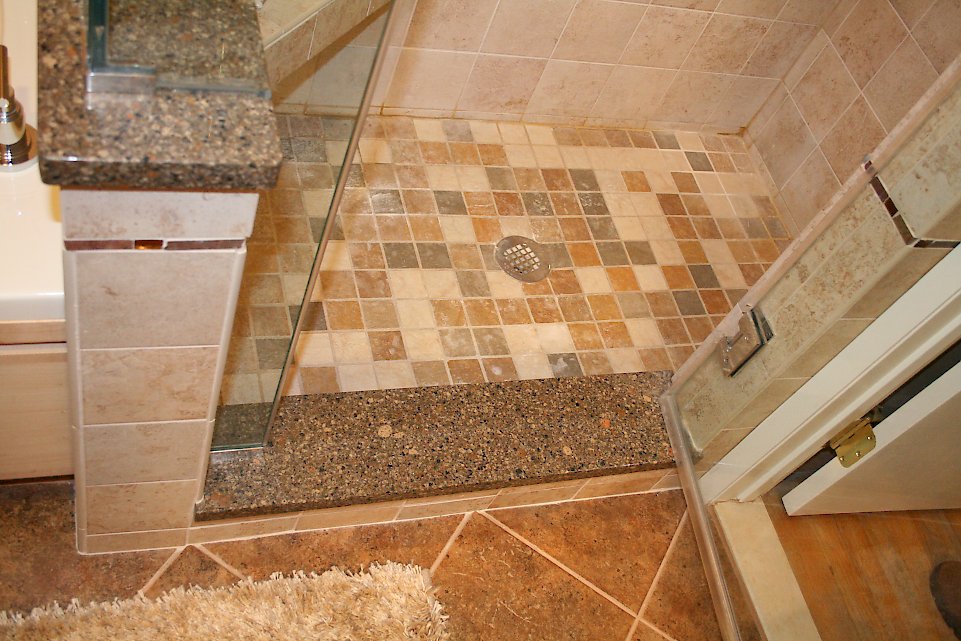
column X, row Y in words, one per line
column 366, row 255
column 622, row 279
column 557, row 180
column 435, row 153
column 360, row 228
column 704, row 276
column 465, row 256
column 269, row 320
column 465, row 371
column 337, row 284
column 655, row 360
column 544, row 310
column 537, row 204
column 677, row 277
column 400, row 255
column 473, row 284
column 682, row 227
column 379, row 176
column 372, row 284
column 617, row 138
column 563, row 281
column 433, row 255
column 480, row 203
column 492, row 155
column 529, row 179
column 513, row 311
column 593, row 138
column 671, row 204
column 699, row 327
column 583, row 254
column 417, row 542
column 405, row 152
column 566, row 204
column 319, row 380
column 766, row 250
column 418, row 201
column 540, row 288
column 602, row 228
column 574, row 229
column 721, row 162
column 586, row 336
column 411, row 177
column 681, row 603
column 593, row 204
column 595, row 363
column 752, row 273
column 450, row 203
column 430, row 373
column 547, row 230
column 487, row 230
column 449, row 313
column 387, row 346
column 685, row 182
column 501, row 179
column 500, row 369
column 715, row 302
column 742, row 251
column 692, row 251
column 706, row 228
column 425, row 228
column 575, row 308
column 616, row 543
column 673, row 331
column 666, row 140
column 615, row 335
column 343, row 315
column 481, row 312
column 518, row 594
column 386, row 201
column 731, row 228
column 688, row 302
column 604, row 307
column 379, row 314
column 639, row 252
column 636, row 181
column 565, row 365
column 457, row 343
column 464, row 153
column 695, row 205
column 192, row 568
column 612, row 253
column 567, row 136
column 508, row 203
column 491, row 341
column 38, row 558
column 392, row 228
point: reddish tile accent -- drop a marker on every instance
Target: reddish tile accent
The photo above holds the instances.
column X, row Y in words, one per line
column 95, row 245
column 189, row 245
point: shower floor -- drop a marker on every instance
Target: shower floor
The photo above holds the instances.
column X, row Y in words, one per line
column 651, row 236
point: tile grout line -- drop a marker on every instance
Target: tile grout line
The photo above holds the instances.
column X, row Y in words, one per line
column 558, row 563
column 217, row 559
column 162, row 569
column 450, row 543
column 660, row 571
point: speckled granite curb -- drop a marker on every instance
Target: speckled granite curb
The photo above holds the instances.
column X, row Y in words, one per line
column 366, row 447
column 168, row 140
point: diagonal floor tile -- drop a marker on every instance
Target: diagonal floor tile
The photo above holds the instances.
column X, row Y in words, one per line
column 192, row 567
column 681, row 604
column 417, row 542
column 39, row 563
column 496, row 588
column 616, row 543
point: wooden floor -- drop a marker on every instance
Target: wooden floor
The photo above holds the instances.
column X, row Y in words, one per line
column 865, row 576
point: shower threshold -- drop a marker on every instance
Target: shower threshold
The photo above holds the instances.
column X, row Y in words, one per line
column 352, row 448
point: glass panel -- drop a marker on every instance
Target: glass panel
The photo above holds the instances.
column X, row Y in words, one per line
column 318, row 110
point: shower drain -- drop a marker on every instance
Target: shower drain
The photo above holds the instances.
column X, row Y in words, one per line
column 522, row 258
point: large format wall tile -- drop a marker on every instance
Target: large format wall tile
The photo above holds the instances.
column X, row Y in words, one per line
column 140, row 506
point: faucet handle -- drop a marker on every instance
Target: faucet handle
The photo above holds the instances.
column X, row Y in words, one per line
column 6, row 89
column 16, row 138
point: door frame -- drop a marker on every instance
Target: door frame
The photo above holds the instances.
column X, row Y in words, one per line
column 920, row 325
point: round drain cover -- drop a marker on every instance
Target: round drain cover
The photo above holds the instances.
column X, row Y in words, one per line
column 522, row 258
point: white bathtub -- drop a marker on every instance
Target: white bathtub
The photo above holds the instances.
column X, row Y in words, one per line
column 31, row 245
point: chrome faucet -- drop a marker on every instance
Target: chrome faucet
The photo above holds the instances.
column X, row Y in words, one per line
column 17, row 139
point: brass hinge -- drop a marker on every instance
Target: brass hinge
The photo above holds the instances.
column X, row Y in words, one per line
column 854, row 442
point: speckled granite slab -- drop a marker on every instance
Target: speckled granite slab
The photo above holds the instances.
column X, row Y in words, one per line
column 364, row 447
column 169, row 140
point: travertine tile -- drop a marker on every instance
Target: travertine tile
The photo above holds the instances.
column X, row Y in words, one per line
column 140, row 506
column 449, row 24
column 134, row 453
column 527, row 27
column 598, row 31
column 899, row 83
column 867, row 37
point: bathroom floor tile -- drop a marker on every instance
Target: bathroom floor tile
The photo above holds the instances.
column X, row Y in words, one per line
column 192, row 568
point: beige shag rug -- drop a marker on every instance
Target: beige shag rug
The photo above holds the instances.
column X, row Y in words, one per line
column 385, row 603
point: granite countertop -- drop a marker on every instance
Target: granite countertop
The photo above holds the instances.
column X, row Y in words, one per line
column 364, row 447
column 171, row 139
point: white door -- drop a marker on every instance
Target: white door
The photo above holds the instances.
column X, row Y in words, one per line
column 916, row 464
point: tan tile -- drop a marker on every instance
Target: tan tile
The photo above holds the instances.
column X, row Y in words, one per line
column 824, row 92
column 142, row 385
column 856, row 135
column 867, row 37
column 431, row 373
column 665, row 37
column 501, row 85
column 527, row 27
column 602, row 486
column 726, row 44
column 191, row 568
column 428, row 79
column 449, row 24
column 692, row 96
column 568, row 88
column 936, row 35
column 134, row 453
column 899, row 83
column 536, row 494
column 139, row 506
column 785, row 142
column 598, row 31
column 352, row 515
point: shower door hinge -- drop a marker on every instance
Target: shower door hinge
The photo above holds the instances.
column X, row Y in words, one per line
column 753, row 333
column 854, row 442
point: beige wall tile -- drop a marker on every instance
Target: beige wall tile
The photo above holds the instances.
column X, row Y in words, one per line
column 153, row 298
column 285, row 55
column 131, row 541
column 911, row 10
column 726, row 44
column 807, row 11
column 810, row 189
column 501, row 84
column 824, row 92
column 143, row 385
column 779, row 49
column 752, row 8
column 665, row 37
column 527, row 27
column 702, row 5
column 692, row 97
column 836, row 338
column 765, row 402
column 334, row 20
column 856, row 134
column 135, row 453
column 867, row 37
column 129, row 215
column 622, row 483
column 598, row 31
column 568, row 88
column 240, row 529
column 140, row 506
column 900, row 83
column 534, row 494
column 902, row 275
column 429, row 79
column 350, row 515
column 741, row 101
column 633, row 93
column 785, row 142
column 938, row 35
column 444, row 505
column 450, row 24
